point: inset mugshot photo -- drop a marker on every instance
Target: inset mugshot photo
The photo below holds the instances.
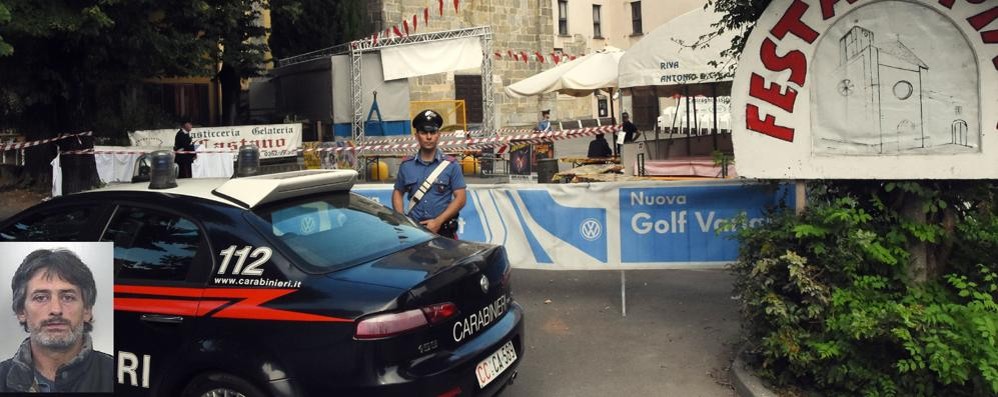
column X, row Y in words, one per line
column 58, row 335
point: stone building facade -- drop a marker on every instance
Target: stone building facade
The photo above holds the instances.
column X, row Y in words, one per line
column 530, row 25
column 519, row 25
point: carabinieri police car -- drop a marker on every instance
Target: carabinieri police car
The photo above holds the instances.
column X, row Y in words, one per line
column 288, row 285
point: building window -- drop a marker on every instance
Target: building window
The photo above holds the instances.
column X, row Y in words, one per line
column 597, row 32
column 636, row 17
column 563, row 17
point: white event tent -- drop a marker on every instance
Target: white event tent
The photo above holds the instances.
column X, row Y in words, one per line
column 579, row 77
column 675, row 60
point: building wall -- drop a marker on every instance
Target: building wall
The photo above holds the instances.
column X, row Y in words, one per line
column 516, row 24
column 528, row 25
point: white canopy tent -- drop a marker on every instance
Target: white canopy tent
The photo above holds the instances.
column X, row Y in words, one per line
column 667, row 57
column 675, row 60
column 579, row 77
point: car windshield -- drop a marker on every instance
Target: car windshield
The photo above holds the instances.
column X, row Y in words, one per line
column 338, row 230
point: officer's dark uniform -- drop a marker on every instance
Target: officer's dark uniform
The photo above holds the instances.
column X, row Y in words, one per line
column 413, row 171
column 182, row 141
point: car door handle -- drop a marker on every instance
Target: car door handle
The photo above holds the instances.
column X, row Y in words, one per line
column 160, row 318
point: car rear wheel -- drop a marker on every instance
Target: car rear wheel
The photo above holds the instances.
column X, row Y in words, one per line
column 221, row 385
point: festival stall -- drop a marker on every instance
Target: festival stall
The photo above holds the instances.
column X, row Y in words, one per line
column 681, row 59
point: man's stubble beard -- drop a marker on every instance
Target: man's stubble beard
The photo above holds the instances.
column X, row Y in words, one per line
column 57, row 342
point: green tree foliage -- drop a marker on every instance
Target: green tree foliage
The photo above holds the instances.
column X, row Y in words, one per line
column 5, row 49
column 830, row 305
column 234, row 39
column 79, row 65
column 301, row 26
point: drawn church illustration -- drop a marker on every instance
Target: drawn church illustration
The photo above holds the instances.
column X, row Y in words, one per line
column 876, row 102
column 882, row 89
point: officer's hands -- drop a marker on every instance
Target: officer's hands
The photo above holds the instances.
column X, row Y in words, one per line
column 432, row 224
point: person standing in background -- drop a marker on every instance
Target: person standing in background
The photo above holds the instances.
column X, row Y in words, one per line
column 545, row 124
column 183, row 141
column 631, row 133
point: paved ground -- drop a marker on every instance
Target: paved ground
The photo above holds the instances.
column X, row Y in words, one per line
column 677, row 339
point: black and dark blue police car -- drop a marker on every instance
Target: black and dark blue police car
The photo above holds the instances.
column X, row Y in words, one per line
column 288, row 285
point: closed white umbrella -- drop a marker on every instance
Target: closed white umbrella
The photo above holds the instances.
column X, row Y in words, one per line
column 579, row 77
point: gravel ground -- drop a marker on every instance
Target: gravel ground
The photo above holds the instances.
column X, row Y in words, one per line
column 14, row 200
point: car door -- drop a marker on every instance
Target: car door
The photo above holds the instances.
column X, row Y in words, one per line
column 159, row 261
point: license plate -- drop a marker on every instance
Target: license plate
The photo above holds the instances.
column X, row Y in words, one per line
column 490, row 368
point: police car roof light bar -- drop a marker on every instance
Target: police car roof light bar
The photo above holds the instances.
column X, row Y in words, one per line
column 248, row 161
column 162, row 172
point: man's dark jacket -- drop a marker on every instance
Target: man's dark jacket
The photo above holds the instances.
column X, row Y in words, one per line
column 90, row 371
column 599, row 148
column 183, row 141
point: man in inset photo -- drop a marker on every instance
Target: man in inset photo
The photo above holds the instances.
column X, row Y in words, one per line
column 53, row 299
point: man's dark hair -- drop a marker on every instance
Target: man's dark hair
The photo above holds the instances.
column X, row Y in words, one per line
column 58, row 262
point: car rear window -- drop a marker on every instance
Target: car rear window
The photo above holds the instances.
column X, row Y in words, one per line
column 339, row 230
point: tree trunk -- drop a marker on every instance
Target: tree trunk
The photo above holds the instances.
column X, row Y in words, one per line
column 928, row 260
column 231, row 90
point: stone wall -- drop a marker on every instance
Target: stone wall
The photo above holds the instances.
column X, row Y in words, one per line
column 517, row 25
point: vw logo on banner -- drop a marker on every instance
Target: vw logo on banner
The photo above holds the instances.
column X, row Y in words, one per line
column 591, row 229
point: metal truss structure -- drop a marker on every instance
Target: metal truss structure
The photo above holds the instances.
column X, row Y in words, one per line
column 357, row 48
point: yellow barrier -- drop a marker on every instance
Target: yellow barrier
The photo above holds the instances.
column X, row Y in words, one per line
column 470, row 166
column 378, row 171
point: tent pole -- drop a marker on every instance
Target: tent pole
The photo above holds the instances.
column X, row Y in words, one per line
column 613, row 116
column 713, row 93
column 657, row 129
column 689, row 132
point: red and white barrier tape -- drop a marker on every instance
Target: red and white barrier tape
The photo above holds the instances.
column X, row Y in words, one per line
column 456, row 144
column 22, row 145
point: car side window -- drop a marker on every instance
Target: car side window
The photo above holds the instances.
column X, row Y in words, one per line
column 59, row 224
column 152, row 245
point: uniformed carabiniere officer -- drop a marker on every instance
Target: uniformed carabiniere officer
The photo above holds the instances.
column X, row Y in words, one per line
column 431, row 179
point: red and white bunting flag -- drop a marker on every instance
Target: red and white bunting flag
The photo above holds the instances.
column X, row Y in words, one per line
column 511, row 55
column 395, row 29
column 415, row 23
column 571, row 57
column 388, row 34
column 455, row 5
column 498, row 55
column 405, row 26
column 524, row 54
column 441, row 3
column 426, row 15
column 555, row 57
column 539, row 56
column 375, row 37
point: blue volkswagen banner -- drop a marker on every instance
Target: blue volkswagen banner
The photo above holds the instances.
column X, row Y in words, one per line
column 602, row 226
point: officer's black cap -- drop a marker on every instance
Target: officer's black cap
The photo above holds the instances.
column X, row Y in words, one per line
column 427, row 120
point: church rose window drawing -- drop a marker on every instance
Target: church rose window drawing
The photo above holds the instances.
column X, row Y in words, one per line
column 882, row 88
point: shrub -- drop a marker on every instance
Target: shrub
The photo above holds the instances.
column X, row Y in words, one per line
column 829, row 303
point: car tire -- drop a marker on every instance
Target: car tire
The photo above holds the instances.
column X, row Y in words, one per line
column 217, row 384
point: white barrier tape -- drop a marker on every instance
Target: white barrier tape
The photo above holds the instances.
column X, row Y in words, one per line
column 22, row 145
